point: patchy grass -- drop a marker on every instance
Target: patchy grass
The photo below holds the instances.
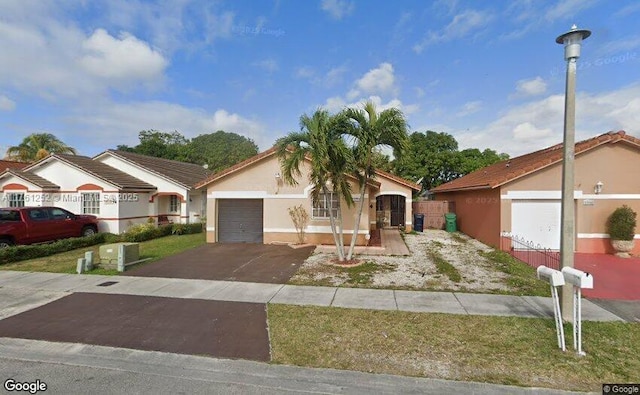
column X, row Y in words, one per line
column 459, row 238
column 501, row 350
column 442, row 266
column 66, row 262
column 363, row 274
column 522, row 278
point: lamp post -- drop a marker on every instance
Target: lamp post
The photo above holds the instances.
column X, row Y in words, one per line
column 571, row 41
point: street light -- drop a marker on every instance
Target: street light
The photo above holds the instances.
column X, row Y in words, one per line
column 571, row 41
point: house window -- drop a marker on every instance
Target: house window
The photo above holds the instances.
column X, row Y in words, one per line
column 380, row 203
column 16, row 199
column 321, row 208
column 91, row 203
column 173, row 204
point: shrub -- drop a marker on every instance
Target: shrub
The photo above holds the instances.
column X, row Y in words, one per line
column 185, row 229
column 21, row 253
column 621, row 224
column 300, row 219
column 141, row 232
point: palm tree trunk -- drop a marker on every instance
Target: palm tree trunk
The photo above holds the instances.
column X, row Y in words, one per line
column 356, row 225
column 340, row 232
column 334, row 232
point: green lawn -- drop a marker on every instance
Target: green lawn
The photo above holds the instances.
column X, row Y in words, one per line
column 66, row 262
column 502, row 350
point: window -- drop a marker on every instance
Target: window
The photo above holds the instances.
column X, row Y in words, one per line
column 58, row 213
column 321, row 209
column 91, row 203
column 173, row 204
column 16, row 199
column 379, row 203
column 38, row 214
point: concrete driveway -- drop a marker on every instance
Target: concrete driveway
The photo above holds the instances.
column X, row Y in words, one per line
column 257, row 263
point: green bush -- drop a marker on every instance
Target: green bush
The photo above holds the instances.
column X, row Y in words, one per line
column 141, row 232
column 21, row 253
column 621, row 224
column 186, row 229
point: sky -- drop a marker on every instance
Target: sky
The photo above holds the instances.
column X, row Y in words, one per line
column 96, row 72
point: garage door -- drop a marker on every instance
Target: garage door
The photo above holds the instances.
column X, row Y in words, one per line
column 537, row 221
column 240, row 220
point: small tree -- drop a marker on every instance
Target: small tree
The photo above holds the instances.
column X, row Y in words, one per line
column 300, row 219
column 621, row 224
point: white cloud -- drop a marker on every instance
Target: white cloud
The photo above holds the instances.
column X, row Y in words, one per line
column 268, row 65
column 121, row 60
column 567, row 9
column 338, row 9
column 336, row 103
column 6, row 104
column 533, row 87
column 380, row 80
column 77, row 65
column 305, row 72
column 111, row 124
column 470, row 108
column 538, row 124
column 332, row 77
column 462, row 25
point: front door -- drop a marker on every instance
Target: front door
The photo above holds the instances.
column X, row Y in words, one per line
column 397, row 210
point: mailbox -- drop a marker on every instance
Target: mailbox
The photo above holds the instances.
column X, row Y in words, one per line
column 577, row 277
column 552, row 276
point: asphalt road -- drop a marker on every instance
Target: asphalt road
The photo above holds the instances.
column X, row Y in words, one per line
column 80, row 369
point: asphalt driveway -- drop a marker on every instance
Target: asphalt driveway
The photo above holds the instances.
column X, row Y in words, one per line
column 183, row 326
column 258, row 263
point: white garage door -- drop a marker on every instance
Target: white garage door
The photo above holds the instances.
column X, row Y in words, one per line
column 240, row 221
column 537, row 221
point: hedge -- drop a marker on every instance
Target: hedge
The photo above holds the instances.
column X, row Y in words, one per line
column 136, row 233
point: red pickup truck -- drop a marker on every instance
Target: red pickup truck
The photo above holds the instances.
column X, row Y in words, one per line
column 28, row 225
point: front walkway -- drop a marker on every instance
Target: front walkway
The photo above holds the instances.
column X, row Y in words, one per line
column 392, row 244
column 54, row 285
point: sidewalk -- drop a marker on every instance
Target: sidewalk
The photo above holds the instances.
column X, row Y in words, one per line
column 51, row 286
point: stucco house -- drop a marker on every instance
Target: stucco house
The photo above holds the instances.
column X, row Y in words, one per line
column 120, row 188
column 522, row 196
column 249, row 202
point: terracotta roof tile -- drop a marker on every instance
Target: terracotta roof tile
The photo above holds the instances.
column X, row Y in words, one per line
column 503, row 172
column 183, row 173
column 10, row 164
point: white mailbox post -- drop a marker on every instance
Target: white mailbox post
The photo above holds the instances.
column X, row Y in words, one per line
column 579, row 280
column 555, row 279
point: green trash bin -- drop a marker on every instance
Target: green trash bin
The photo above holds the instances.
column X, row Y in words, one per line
column 450, row 222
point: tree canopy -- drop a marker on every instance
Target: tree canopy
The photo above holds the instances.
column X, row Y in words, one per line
column 217, row 150
column 37, row 146
column 434, row 157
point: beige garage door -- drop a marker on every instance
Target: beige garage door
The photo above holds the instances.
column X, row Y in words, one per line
column 240, row 221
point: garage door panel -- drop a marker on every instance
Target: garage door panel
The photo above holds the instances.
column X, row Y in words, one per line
column 240, row 220
column 537, row 222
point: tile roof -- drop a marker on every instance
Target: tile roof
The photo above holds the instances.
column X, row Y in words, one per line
column 506, row 171
column 272, row 151
column 32, row 178
column 10, row 164
column 183, row 173
column 99, row 170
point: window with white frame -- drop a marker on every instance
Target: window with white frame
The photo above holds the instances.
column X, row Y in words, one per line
column 91, row 203
column 15, row 199
column 321, row 208
column 173, row 204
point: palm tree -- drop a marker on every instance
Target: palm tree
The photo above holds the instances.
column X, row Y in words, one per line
column 368, row 131
column 319, row 142
column 37, row 146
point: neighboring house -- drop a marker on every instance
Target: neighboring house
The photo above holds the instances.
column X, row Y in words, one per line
column 249, row 202
column 522, row 196
column 11, row 164
column 109, row 186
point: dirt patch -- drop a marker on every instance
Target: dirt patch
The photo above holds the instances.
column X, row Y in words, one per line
column 417, row 271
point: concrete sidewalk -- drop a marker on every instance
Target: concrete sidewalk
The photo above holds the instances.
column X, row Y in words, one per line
column 51, row 286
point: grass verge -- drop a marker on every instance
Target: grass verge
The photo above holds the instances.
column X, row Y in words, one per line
column 501, row 350
column 522, row 278
column 356, row 276
column 66, row 262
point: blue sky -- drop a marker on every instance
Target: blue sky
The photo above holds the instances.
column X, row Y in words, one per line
column 95, row 73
